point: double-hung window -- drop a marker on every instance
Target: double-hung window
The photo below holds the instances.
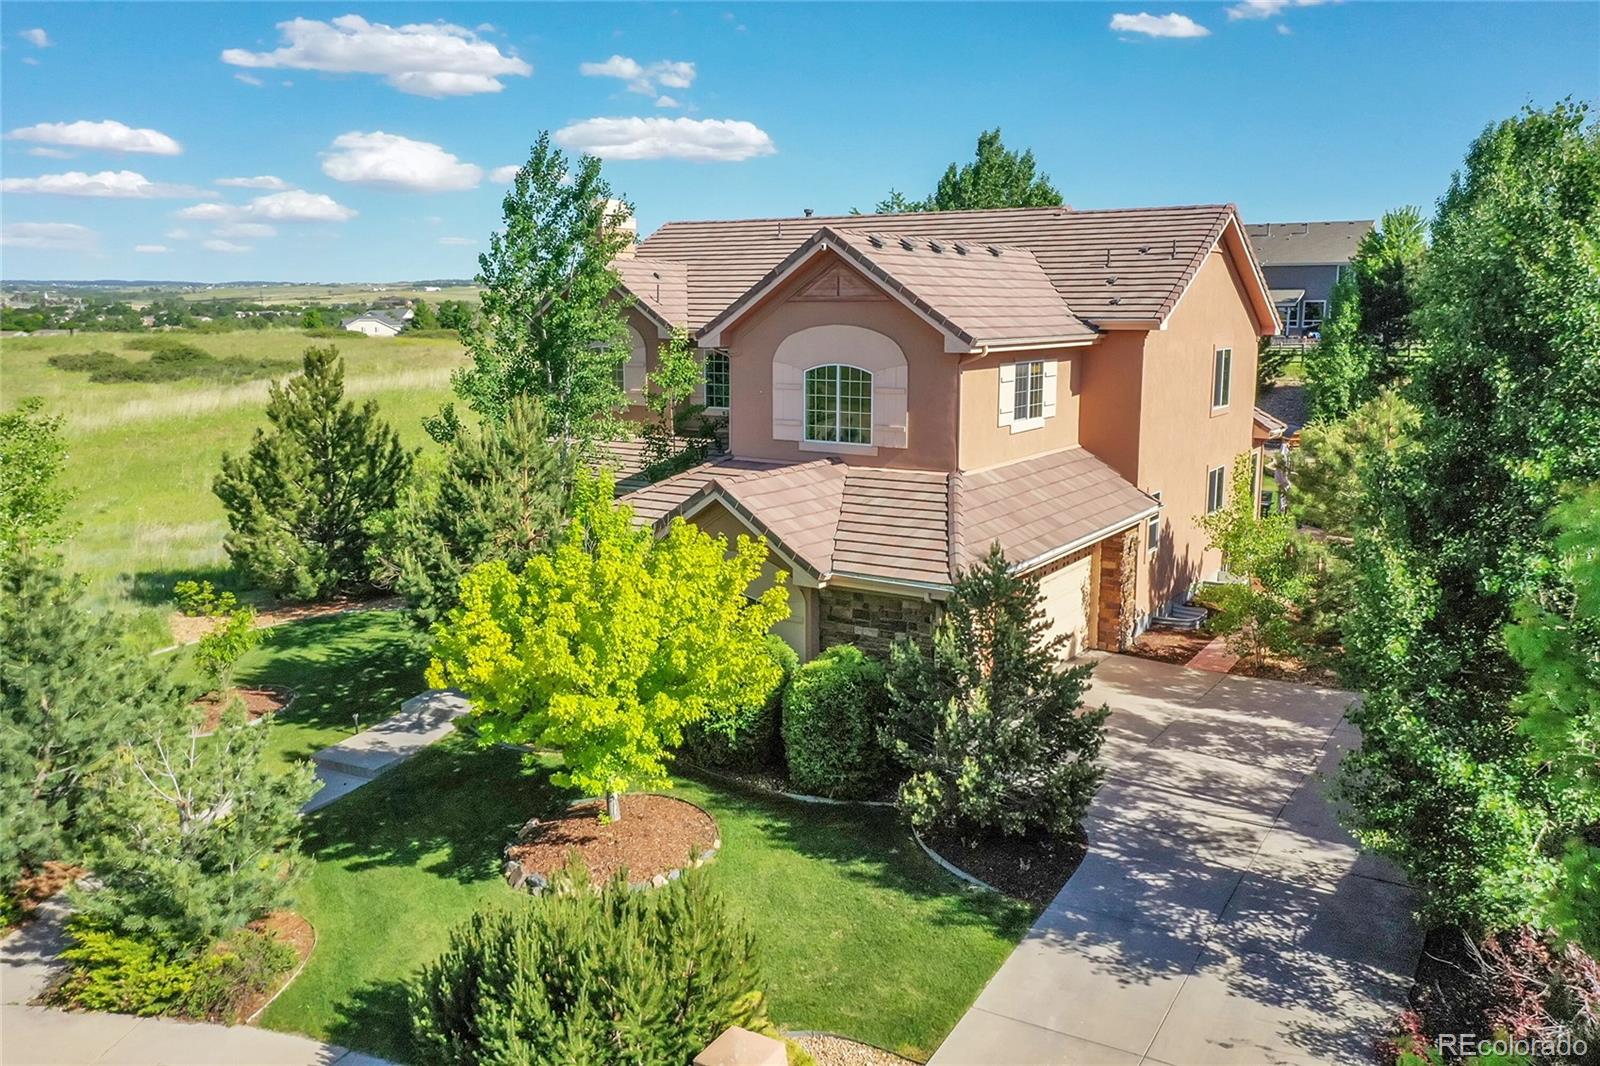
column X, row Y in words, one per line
column 1028, row 392
column 839, row 405
column 718, row 382
column 1216, row 488
column 1311, row 313
column 1152, row 527
column 1221, row 377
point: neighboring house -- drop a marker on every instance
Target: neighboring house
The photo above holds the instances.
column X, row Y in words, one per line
column 903, row 391
column 375, row 324
column 1301, row 262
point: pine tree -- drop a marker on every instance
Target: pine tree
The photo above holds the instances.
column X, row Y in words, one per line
column 997, row 177
column 991, row 723
column 500, row 495
column 70, row 691
column 299, row 499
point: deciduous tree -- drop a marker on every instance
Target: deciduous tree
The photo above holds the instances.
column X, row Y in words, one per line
column 32, row 499
column 608, row 645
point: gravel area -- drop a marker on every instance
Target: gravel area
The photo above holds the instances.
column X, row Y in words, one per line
column 839, row 1051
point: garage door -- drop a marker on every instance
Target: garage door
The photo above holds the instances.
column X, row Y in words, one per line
column 1067, row 602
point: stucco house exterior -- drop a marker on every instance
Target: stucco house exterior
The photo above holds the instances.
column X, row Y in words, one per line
column 1301, row 262
column 375, row 324
column 902, row 391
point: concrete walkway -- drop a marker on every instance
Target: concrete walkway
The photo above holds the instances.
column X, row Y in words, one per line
column 1221, row 915
column 38, row 1035
column 346, row 766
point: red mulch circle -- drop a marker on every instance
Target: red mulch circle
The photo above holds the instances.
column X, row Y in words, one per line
column 654, row 836
column 1031, row 867
column 258, row 703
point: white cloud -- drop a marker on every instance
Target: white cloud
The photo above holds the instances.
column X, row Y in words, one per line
column 396, row 162
column 248, row 79
column 260, row 181
column 667, row 101
column 1173, row 25
column 50, row 153
column 178, row 235
column 120, row 184
column 36, row 37
column 30, row 60
column 207, row 212
column 244, row 229
column 702, row 140
column 428, row 59
column 673, row 73
column 227, row 247
column 462, row 241
column 502, row 175
column 104, row 136
column 1266, row 9
column 151, row 249
column 1284, row 29
column 297, row 205
column 49, row 236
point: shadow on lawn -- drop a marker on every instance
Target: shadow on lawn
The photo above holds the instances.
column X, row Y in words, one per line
column 343, row 668
column 153, row 588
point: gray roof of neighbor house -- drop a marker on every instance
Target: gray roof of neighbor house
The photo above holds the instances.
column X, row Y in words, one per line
column 1115, row 266
column 376, row 316
column 1307, row 243
column 920, row 526
column 1287, row 296
column 1288, row 404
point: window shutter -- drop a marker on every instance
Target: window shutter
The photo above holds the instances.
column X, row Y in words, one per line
column 1008, row 393
column 788, row 401
column 1049, row 388
column 698, row 396
column 890, row 418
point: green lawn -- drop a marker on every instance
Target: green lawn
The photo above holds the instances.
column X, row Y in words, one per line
column 142, row 456
column 860, row 933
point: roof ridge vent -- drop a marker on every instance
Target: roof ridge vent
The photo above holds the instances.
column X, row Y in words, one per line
column 875, row 240
column 1111, row 279
column 961, row 249
column 994, row 250
column 936, row 246
column 905, row 242
column 1144, row 249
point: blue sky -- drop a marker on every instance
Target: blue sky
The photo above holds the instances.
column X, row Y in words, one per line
column 382, row 124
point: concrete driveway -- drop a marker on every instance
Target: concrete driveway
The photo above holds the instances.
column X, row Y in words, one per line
column 1221, row 915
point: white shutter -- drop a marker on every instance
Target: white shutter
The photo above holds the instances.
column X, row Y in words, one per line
column 1049, row 388
column 889, row 414
column 634, row 370
column 788, row 401
column 1008, row 392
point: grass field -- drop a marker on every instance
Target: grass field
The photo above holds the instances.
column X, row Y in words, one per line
column 350, row 293
column 858, row 931
column 142, row 456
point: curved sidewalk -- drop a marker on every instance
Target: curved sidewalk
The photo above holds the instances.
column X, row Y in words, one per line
column 1221, row 917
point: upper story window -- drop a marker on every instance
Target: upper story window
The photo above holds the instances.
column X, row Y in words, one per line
column 839, row 405
column 1216, row 488
column 718, row 387
column 1028, row 391
column 1152, row 529
column 1221, row 377
column 1311, row 313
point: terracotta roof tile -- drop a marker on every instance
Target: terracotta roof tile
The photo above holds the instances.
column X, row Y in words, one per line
column 661, row 287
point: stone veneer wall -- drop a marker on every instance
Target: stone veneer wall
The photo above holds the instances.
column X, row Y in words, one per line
column 871, row 621
column 1117, row 597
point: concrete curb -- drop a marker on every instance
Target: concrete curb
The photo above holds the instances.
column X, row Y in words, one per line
column 316, row 938
column 952, row 868
column 798, row 797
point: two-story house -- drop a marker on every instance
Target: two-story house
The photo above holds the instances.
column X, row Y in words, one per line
column 1301, row 262
column 902, row 391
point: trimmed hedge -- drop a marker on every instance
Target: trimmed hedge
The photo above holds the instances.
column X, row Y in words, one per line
column 747, row 740
column 831, row 713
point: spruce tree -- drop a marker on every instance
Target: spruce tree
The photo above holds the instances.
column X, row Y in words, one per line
column 299, row 499
column 991, row 723
column 997, row 177
column 500, row 495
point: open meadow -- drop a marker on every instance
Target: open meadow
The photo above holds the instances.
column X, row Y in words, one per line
column 348, row 293
column 142, row 455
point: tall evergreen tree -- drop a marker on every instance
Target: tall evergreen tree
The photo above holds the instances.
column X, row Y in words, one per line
column 299, row 499
column 501, row 494
column 991, row 723
column 1509, row 397
column 996, row 177
column 550, row 325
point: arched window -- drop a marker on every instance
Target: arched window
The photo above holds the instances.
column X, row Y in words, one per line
column 839, row 404
column 718, row 383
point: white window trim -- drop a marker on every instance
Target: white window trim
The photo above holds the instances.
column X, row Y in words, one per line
column 1305, row 319
column 1049, row 371
column 1221, row 360
column 1222, row 494
column 838, row 411
column 1154, row 522
column 706, row 385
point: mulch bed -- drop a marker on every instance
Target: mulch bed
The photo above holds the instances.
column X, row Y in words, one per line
column 830, row 1050
column 258, row 703
column 1031, row 868
column 1181, row 645
column 36, row 886
column 655, row 835
column 293, row 930
column 1170, row 645
column 1283, row 668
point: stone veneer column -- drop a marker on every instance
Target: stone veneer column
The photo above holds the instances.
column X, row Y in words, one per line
column 871, row 621
column 1116, row 608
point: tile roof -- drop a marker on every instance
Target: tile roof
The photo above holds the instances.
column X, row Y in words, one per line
column 1288, row 404
column 661, row 287
column 1306, row 243
column 908, row 525
column 1109, row 266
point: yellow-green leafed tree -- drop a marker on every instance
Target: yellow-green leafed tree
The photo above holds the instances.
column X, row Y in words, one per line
column 610, row 643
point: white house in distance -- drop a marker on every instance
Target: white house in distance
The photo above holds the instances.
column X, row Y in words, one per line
column 376, row 323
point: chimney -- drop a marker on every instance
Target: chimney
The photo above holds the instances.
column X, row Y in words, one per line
column 618, row 217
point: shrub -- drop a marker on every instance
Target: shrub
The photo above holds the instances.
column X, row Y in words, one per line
column 200, row 598
column 747, row 739
column 220, row 650
column 613, row 976
column 170, row 360
column 992, row 722
column 831, row 712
